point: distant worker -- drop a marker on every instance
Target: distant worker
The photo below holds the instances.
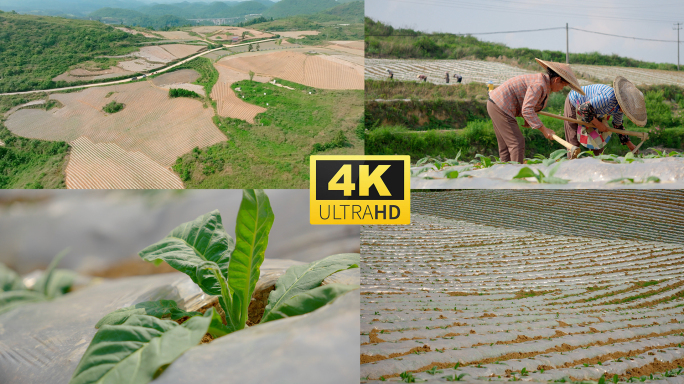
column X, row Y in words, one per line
column 524, row 96
column 447, row 78
column 458, row 77
column 391, row 74
column 422, row 77
column 598, row 102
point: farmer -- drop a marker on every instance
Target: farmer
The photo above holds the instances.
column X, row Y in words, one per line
column 458, row 77
column 447, row 78
column 524, row 96
column 391, row 74
column 598, row 102
column 422, row 77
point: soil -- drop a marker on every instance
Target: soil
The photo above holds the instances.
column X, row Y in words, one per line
column 132, row 266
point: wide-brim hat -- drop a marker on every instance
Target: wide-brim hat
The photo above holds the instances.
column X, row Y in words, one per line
column 631, row 100
column 564, row 71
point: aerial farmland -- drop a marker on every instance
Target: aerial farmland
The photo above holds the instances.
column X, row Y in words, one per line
column 493, row 290
column 128, row 125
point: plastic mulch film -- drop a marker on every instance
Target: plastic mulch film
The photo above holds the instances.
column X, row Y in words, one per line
column 43, row 342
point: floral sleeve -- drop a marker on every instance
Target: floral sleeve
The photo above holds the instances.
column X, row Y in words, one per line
column 586, row 112
column 624, row 139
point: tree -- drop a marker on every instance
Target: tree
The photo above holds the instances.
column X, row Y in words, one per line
column 244, row 34
column 249, row 48
column 251, row 75
column 257, row 46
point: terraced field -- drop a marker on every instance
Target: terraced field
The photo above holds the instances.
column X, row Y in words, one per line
column 639, row 76
column 160, row 128
column 444, row 299
column 108, row 166
column 298, row 67
column 227, row 102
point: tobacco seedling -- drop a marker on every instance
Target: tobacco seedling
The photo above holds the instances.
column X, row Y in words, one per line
column 455, row 377
column 52, row 283
column 541, row 178
column 433, row 370
column 220, row 267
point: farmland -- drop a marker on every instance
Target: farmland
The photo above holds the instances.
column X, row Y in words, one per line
column 449, row 297
column 147, row 135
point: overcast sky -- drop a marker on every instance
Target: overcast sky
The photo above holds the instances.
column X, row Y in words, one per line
column 652, row 19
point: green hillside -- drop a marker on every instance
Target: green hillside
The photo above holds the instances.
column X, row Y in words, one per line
column 384, row 41
column 204, row 10
column 34, row 49
column 137, row 19
column 350, row 12
column 286, row 8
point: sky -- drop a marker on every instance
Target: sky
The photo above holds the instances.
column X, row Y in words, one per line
column 652, row 19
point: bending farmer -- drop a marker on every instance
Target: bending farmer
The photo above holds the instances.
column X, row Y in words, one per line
column 524, row 96
column 598, row 102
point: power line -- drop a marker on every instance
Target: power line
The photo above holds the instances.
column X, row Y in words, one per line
column 535, row 30
column 626, row 37
column 677, row 28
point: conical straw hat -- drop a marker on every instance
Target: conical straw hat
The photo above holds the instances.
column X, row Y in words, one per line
column 565, row 72
column 631, row 100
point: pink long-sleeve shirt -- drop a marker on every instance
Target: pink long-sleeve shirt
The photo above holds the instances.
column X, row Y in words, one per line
column 523, row 95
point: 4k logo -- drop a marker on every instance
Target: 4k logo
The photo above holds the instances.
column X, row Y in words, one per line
column 360, row 190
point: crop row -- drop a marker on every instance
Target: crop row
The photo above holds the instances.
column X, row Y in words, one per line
column 505, row 302
column 654, row 215
column 108, row 166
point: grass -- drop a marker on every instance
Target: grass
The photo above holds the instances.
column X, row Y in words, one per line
column 385, row 89
column 208, row 74
column 30, row 163
column 274, row 151
column 391, row 129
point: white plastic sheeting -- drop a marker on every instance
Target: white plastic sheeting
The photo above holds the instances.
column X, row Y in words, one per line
column 476, row 294
column 584, row 173
column 43, row 343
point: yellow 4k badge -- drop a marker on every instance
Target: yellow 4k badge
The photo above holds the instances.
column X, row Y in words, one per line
column 360, row 190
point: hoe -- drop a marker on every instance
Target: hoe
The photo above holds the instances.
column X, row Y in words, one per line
column 573, row 151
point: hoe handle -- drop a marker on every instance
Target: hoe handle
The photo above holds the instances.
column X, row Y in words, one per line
column 563, row 142
column 641, row 135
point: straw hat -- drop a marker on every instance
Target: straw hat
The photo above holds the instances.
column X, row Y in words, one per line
column 631, row 100
column 565, row 72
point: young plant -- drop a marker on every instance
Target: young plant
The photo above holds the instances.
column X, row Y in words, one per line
column 455, row 377
column 128, row 343
column 541, row 178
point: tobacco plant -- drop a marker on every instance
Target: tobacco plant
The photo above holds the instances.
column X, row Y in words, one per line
column 129, row 341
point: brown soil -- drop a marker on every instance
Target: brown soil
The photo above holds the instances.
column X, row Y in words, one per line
column 524, row 355
column 655, row 367
column 133, row 266
column 258, row 305
column 365, row 359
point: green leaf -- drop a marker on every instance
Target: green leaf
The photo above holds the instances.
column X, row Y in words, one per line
column 10, row 280
column 45, row 283
column 12, row 299
column 254, row 221
column 452, row 175
column 524, row 173
column 558, row 154
column 158, row 309
column 200, row 249
column 310, row 301
column 654, row 179
column 301, row 278
column 554, row 180
column 136, row 349
column 217, row 328
column 59, row 283
column 621, row 180
column 553, row 170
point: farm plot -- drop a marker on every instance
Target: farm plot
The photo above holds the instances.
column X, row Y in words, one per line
column 151, row 123
column 115, row 168
column 471, row 70
column 639, row 76
column 227, row 102
column 80, row 74
column 134, row 32
column 225, row 33
column 311, row 70
column 446, row 298
column 176, row 35
column 298, row 34
column 580, row 173
column 181, row 79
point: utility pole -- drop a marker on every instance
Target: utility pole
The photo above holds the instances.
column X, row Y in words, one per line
column 677, row 28
column 567, row 45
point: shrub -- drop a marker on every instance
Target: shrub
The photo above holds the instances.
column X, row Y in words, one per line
column 113, row 107
column 180, row 92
